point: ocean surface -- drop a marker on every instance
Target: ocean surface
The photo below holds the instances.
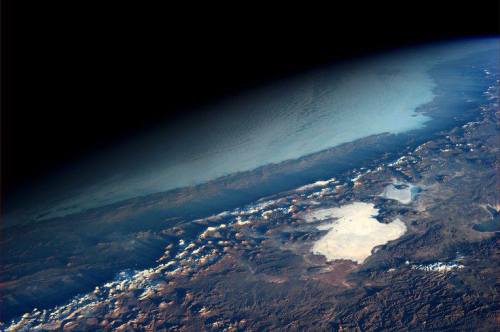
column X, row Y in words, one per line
column 324, row 108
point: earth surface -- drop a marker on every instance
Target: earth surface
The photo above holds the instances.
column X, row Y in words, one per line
column 358, row 197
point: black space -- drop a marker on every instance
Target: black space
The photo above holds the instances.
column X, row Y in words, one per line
column 78, row 77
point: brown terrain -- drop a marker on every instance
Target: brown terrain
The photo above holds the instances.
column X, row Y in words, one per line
column 252, row 268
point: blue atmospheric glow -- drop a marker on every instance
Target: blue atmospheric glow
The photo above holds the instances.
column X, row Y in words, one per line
column 287, row 120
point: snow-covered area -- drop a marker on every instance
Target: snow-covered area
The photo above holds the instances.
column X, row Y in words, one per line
column 320, row 214
column 317, row 184
column 354, row 232
column 438, row 266
column 400, row 191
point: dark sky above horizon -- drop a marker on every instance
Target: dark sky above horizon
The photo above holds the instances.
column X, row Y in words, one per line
column 78, row 78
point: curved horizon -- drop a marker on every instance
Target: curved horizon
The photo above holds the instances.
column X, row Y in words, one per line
column 291, row 119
